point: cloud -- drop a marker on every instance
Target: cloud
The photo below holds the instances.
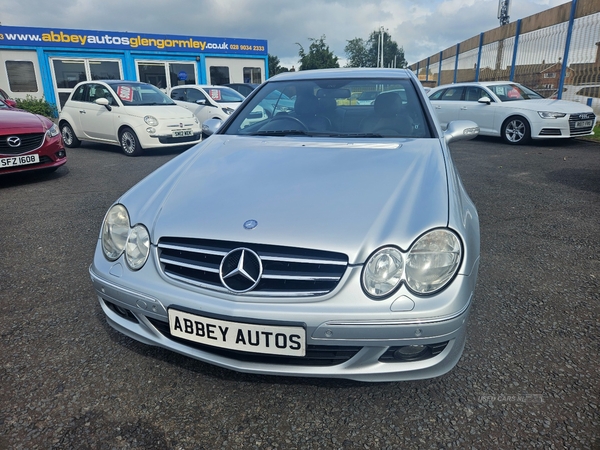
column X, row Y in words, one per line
column 421, row 28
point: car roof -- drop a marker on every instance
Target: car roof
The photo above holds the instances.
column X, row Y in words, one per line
column 344, row 73
column 202, row 86
column 473, row 83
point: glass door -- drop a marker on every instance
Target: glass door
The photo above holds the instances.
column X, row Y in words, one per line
column 68, row 72
column 165, row 75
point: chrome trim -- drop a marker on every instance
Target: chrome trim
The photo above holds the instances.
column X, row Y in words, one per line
column 302, row 260
column 384, row 323
column 166, row 260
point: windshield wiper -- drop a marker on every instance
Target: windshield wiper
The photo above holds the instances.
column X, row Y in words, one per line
column 280, row 133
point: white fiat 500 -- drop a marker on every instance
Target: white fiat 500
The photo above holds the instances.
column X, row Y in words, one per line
column 131, row 114
column 329, row 240
column 511, row 111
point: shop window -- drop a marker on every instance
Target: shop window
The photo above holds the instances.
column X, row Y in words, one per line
column 105, row 70
column 21, row 76
column 181, row 74
column 219, row 75
column 68, row 73
column 252, row 75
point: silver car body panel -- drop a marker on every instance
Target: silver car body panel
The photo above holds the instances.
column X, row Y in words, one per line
column 350, row 196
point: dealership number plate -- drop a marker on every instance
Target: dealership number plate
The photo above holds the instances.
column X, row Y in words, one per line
column 19, row 160
column 583, row 124
column 182, row 133
column 245, row 337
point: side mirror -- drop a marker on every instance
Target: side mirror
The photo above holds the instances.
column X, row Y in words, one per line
column 201, row 102
column 104, row 102
column 485, row 100
column 461, row 130
column 210, row 126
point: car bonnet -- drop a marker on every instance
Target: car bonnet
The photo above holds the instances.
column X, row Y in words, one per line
column 330, row 195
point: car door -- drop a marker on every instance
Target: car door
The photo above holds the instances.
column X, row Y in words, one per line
column 97, row 121
column 447, row 104
column 189, row 100
column 481, row 113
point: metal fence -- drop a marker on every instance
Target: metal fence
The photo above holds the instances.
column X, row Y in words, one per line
column 555, row 52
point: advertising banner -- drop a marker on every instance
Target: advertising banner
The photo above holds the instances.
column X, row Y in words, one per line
column 112, row 40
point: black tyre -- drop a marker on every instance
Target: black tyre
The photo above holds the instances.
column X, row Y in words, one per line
column 516, row 131
column 129, row 142
column 68, row 136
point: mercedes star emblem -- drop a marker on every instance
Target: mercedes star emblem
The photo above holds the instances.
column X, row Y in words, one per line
column 240, row 270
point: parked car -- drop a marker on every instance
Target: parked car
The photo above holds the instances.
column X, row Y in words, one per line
column 300, row 245
column 588, row 94
column 28, row 142
column 366, row 97
column 243, row 88
column 511, row 111
column 136, row 116
column 207, row 102
column 6, row 99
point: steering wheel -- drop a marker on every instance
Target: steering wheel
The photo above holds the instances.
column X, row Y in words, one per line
column 295, row 124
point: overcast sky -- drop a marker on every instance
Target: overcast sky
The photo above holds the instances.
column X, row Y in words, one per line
column 421, row 27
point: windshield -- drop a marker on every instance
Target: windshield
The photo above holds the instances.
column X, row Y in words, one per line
column 138, row 94
column 224, row 95
column 330, row 107
column 512, row 92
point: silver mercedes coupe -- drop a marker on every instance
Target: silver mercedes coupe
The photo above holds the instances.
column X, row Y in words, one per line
column 319, row 237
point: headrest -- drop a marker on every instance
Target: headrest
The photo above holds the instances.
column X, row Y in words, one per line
column 306, row 105
column 388, row 104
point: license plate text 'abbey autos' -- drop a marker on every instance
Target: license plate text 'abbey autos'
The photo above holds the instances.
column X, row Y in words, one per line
column 245, row 337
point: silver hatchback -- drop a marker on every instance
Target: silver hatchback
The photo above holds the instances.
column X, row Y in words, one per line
column 331, row 240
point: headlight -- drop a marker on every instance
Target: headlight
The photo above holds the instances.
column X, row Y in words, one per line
column 433, row 261
column 138, row 247
column 151, row 120
column 383, row 271
column 227, row 110
column 53, row 131
column 551, row 115
column 115, row 231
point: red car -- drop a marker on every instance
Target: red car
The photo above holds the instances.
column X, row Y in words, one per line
column 6, row 99
column 28, row 142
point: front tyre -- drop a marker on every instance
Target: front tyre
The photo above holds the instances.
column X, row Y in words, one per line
column 68, row 136
column 516, row 131
column 130, row 143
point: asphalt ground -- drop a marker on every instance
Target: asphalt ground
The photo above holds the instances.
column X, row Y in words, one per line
column 529, row 376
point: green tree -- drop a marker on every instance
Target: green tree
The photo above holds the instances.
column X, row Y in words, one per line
column 318, row 57
column 274, row 66
column 365, row 53
column 358, row 55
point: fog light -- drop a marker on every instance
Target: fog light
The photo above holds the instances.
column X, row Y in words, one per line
column 61, row 154
column 410, row 352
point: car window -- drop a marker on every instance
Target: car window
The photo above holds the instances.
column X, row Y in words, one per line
column 194, row 95
column 436, row 94
column 96, row 91
column 474, row 93
column 178, row 94
column 513, row 92
column 139, row 94
column 79, row 93
column 327, row 108
column 224, row 95
column 453, row 93
column 590, row 91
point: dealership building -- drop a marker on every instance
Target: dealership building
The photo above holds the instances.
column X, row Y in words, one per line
column 49, row 62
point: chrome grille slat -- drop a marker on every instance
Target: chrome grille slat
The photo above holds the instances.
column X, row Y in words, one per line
column 287, row 271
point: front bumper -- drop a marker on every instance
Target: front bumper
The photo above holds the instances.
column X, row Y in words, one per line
column 357, row 342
